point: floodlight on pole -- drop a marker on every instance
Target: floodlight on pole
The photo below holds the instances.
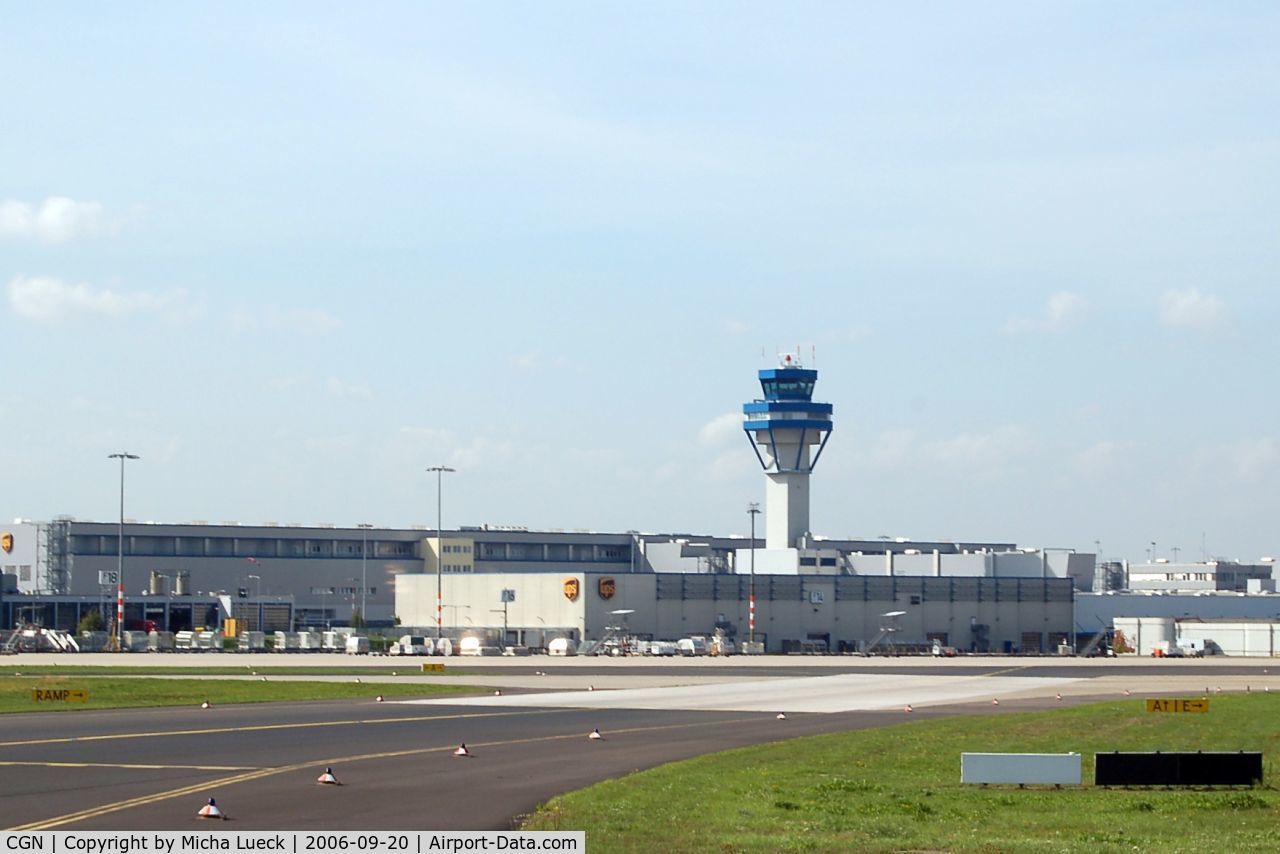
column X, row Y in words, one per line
column 753, row 510
column 439, row 470
column 121, row 456
column 364, row 570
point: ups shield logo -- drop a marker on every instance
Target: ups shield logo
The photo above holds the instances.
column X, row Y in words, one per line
column 571, row 589
column 6, row 541
column 607, row 587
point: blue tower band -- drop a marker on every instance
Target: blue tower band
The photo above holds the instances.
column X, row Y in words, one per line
column 788, row 431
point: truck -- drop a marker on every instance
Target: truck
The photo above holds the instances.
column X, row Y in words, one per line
column 411, row 645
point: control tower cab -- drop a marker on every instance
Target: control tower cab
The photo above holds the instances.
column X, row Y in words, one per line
column 788, row 431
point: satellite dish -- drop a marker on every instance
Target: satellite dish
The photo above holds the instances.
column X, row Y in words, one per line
column 632, row 611
column 894, row 614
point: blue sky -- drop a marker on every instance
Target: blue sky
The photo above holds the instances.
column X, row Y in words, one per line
column 293, row 255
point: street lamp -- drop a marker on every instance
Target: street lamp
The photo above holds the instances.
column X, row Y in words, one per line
column 753, row 510
column 364, row 570
column 439, row 470
column 257, row 578
column 122, row 456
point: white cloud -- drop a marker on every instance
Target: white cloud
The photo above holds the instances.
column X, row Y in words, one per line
column 979, row 449
column 1189, row 309
column 1062, row 309
column 349, row 391
column 1253, row 459
column 1102, row 457
column 734, row 326
column 313, row 321
column 718, row 430
column 45, row 298
column 57, row 220
column 891, row 449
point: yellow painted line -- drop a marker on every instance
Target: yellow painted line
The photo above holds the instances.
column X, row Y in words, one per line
column 1007, row 670
column 127, row 765
column 203, row 788
column 79, row 739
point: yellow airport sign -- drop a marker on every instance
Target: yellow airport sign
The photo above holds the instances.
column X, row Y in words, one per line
column 432, row 667
column 59, row 695
column 1177, row 706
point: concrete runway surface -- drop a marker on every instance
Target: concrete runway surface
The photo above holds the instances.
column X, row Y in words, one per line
column 151, row 769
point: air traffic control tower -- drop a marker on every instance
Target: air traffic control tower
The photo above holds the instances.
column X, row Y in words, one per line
column 788, row 432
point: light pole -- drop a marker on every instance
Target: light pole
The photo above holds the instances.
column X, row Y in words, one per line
column 122, row 456
column 364, row 570
column 753, row 510
column 439, row 470
column 257, row 578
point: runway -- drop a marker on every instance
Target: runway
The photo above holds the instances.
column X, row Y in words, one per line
column 151, row 769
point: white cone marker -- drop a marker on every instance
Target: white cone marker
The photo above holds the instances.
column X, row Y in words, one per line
column 908, row 709
column 205, row 705
column 595, row 735
column 378, row 699
column 327, row 778
column 210, row 810
column 995, row 701
column 782, row 716
column 462, row 751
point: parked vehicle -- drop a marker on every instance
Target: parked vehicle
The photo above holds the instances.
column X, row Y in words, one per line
column 561, row 647
column 663, row 648
column 411, row 645
column 692, row 646
column 357, row 645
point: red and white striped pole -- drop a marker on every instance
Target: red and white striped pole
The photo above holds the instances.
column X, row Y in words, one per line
column 751, row 616
column 120, row 612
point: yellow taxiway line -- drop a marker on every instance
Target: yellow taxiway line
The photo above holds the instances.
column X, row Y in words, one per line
column 201, row 788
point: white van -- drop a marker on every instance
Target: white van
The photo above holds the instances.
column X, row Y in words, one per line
column 411, row 645
column 357, row 645
column 692, row 646
column 562, row 646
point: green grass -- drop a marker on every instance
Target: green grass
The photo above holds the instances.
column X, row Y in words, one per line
column 131, row 692
column 15, row 666
column 897, row 789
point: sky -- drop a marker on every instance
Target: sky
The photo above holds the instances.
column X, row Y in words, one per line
column 292, row 254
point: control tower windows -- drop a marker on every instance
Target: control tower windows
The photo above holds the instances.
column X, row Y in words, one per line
column 787, row 388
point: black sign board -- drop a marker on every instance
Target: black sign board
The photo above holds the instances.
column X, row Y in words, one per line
column 1177, row 769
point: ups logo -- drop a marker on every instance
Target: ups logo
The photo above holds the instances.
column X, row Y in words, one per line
column 607, row 587
column 571, row 589
column 6, row 541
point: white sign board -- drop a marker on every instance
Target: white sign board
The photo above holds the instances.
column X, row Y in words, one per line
column 1061, row 769
column 108, row 577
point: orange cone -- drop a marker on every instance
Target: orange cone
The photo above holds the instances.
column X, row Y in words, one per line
column 462, row 751
column 327, row 778
column 210, row 810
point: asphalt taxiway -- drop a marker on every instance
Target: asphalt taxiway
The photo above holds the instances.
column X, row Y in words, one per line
column 151, row 769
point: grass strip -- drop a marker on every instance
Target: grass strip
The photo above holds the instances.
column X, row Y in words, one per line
column 898, row 789
column 16, row 693
column 198, row 667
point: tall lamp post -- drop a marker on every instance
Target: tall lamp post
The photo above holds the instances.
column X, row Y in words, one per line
column 122, row 456
column 753, row 510
column 439, row 470
column 364, row 571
